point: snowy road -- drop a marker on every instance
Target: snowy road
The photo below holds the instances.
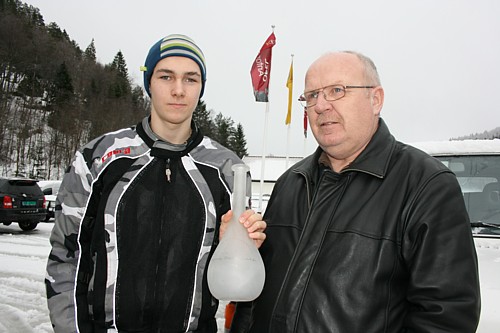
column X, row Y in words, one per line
column 23, row 255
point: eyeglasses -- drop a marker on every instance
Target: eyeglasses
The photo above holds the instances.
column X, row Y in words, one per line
column 330, row 93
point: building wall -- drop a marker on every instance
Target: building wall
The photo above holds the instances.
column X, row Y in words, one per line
column 267, row 187
column 274, row 166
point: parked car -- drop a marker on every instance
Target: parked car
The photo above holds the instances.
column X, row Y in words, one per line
column 476, row 164
column 50, row 189
column 21, row 201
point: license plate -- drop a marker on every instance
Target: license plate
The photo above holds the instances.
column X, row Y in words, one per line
column 28, row 203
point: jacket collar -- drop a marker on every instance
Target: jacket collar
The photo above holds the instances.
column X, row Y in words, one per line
column 165, row 149
column 374, row 159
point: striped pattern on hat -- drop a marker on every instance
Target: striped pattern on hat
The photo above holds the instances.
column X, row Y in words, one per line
column 173, row 45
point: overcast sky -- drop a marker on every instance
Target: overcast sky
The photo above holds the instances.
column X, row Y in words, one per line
column 438, row 59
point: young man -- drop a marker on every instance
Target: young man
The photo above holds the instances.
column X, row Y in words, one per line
column 366, row 235
column 139, row 213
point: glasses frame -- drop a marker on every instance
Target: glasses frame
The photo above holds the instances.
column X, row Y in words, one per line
column 302, row 98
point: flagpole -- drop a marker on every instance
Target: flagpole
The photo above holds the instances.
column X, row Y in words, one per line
column 287, row 145
column 263, row 161
column 288, row 121
column 264, row 139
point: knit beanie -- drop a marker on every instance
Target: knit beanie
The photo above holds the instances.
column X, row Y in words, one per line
column 173, row 46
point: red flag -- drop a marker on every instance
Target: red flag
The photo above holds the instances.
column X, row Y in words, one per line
column 305, row 122
column 261, row 70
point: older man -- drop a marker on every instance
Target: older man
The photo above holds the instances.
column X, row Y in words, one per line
column 367, row 234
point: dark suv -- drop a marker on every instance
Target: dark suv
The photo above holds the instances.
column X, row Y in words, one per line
column 21, row 201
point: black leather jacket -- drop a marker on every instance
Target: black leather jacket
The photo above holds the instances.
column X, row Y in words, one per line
column 383, row 246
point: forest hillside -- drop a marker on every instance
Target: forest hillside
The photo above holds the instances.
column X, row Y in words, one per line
column 55, row 97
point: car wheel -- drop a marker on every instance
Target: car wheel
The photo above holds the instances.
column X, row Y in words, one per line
column 28, row 225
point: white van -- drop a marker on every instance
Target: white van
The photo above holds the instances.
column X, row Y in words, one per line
column 50, row 189
column 476, row 164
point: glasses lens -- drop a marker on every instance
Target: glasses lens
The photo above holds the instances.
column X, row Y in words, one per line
column 310, row 98
column 332, row 93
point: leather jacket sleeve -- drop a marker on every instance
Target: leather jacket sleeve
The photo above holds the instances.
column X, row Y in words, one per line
column 439, row 252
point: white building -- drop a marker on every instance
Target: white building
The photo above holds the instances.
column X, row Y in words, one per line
column 274, row 166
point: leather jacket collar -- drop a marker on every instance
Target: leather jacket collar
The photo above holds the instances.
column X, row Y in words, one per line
column 372, row 160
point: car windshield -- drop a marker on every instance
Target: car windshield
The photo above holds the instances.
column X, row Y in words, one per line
column 479, row 178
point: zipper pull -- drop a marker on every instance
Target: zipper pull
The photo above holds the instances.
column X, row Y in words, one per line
column 168, row 172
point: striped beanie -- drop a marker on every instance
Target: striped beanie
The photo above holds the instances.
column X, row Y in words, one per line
column 173, row 46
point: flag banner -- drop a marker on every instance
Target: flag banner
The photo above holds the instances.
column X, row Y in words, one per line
column 305, row 123
column 289, row 85
column 261, row 70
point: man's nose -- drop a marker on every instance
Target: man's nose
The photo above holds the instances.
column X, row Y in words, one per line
column 178, row 88
column 321, row 103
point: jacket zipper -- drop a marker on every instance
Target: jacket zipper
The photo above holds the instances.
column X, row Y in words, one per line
column 168, row 172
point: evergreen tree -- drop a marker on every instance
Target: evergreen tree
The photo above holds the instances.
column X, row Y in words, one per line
column 82, row 98
column 223, row 130
column 119, row 64
column 56, row 32
column 62, row 104
column 138, row 100
column 10, row 5
column 238, row 142
column 203, row 119
column 30, row 86
column 62, row 89
column 121, row 84
column 36, row 18
column 90, row 52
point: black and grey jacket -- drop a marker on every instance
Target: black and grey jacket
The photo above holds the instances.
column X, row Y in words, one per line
column 137, row 220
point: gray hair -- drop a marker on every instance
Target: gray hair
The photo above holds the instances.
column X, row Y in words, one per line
column 370, row 69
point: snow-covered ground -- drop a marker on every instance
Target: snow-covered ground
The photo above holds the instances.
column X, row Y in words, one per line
column 23, row 306
column 23, row 255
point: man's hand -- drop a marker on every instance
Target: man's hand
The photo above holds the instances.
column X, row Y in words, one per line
column 251, row 221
